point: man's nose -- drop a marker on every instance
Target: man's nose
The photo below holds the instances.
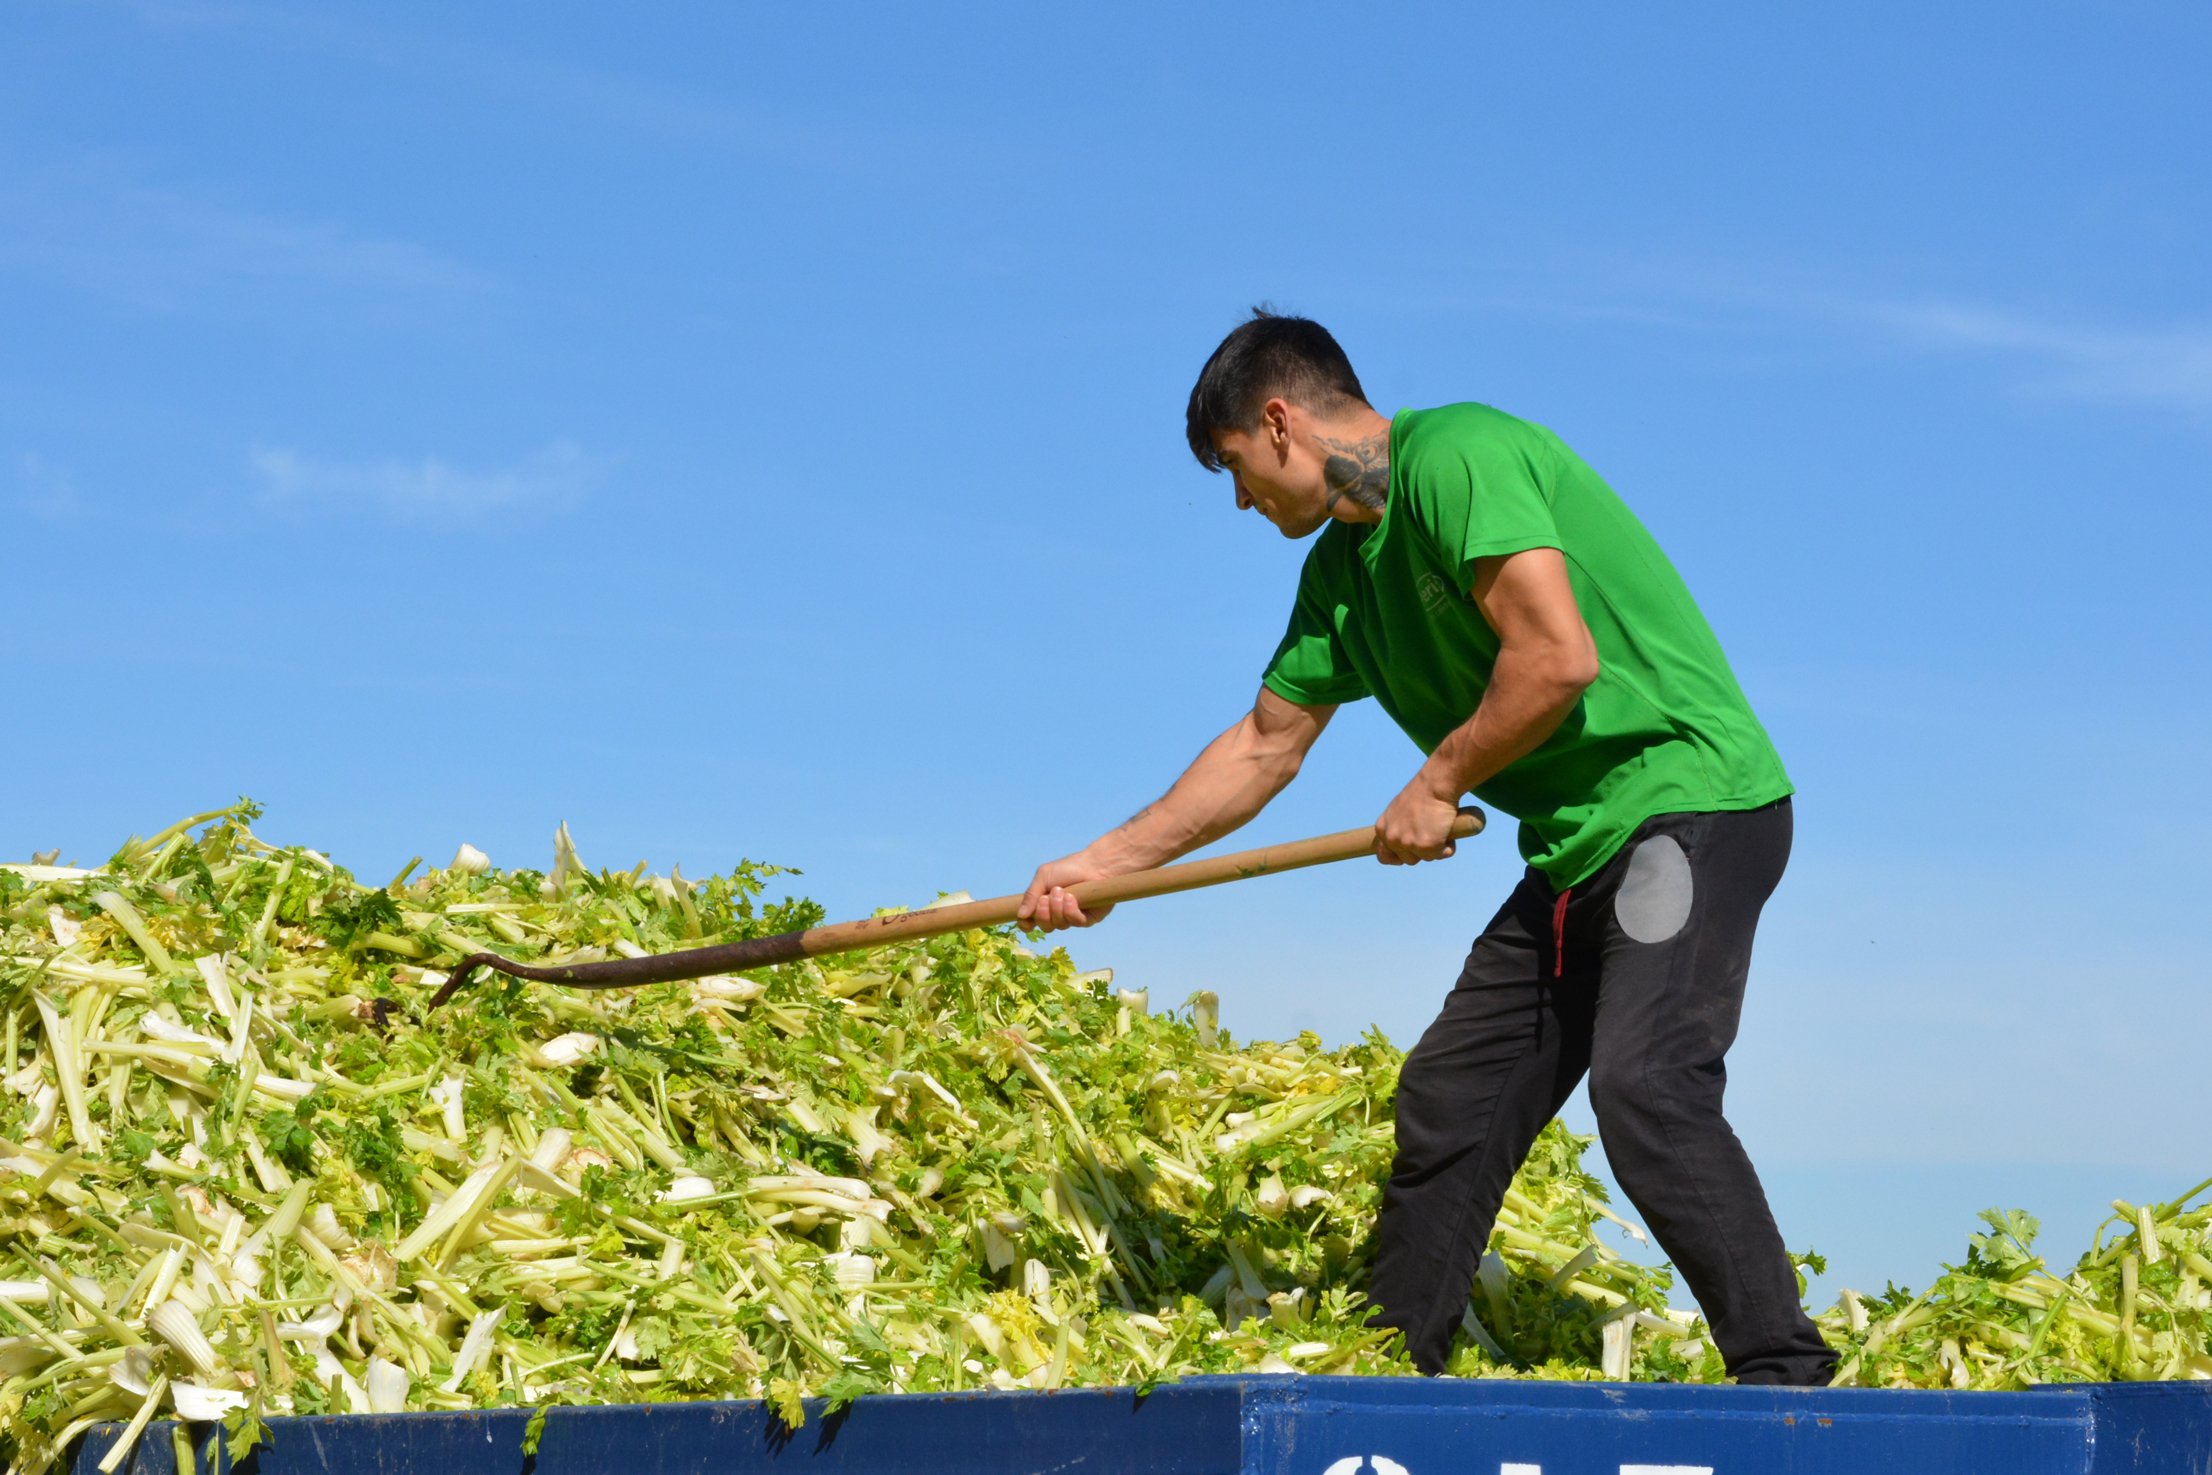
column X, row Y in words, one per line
column 1244, row 498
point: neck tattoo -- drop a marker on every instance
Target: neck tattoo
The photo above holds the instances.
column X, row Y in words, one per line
column 1357, row 469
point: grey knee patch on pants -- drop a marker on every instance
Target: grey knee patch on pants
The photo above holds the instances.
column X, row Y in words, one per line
column 1654, row 900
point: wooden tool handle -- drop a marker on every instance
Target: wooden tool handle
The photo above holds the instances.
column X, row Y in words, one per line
column 1135, row 886
column 842, row 937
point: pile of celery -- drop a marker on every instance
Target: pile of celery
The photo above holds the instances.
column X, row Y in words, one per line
column 242, row 1174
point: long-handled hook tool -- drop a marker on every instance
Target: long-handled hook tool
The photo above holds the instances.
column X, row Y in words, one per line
column 841, row 937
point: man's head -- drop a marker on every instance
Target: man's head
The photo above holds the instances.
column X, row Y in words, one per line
column 1273, row 407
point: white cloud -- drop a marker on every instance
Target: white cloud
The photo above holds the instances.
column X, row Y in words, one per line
column 2167, row 366
column 95, row 225
column 426, row 490
column 657, row 106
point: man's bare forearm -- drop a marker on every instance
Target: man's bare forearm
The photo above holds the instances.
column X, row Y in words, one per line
column 1529, row 695
column 1227, row 784
column 1546, row 660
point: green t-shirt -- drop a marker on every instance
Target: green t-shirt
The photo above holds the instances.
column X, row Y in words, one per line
column 1384, row 610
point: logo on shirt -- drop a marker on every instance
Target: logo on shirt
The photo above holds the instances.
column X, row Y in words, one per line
column 1434, row 592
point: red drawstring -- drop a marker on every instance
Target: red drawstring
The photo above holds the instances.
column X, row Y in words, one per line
column 1559, row 933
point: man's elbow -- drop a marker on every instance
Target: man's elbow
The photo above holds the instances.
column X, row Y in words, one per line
column 1581, row 672
column 1571, row 671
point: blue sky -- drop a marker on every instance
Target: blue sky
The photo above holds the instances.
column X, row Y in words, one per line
column 756, row 431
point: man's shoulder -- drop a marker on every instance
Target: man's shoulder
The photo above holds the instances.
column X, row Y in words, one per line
column 1463, row 422
column 1457, row 440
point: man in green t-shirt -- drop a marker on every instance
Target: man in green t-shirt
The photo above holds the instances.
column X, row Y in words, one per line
column 1508, row 611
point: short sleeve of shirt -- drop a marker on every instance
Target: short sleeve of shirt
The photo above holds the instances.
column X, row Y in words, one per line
column 1483, row 501
column 1310, row 667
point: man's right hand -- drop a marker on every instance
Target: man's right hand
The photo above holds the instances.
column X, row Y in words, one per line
column 1047, row 906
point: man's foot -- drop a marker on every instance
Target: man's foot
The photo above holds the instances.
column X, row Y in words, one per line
column 1790, row 1374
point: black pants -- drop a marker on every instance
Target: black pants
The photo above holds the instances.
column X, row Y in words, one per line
column 1635, row 977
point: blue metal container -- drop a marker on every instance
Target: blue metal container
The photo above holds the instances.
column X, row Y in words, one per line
column 1280, row 1426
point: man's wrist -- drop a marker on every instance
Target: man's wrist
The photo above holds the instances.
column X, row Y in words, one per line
column 1439, row 782
column 1113, row 854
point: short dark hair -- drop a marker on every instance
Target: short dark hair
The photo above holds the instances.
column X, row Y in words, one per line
column 1269, row 355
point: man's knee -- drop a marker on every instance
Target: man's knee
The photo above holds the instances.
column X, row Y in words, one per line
column 1614, row 1090
column 1426, row 1109
column 1631, row 1093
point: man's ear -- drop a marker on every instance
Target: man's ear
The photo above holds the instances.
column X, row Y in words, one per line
column 1275, row 425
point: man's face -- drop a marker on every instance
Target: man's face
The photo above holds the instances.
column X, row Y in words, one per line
column 1274, row 475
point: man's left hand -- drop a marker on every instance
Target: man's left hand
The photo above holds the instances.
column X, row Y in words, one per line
column 1416, row 827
